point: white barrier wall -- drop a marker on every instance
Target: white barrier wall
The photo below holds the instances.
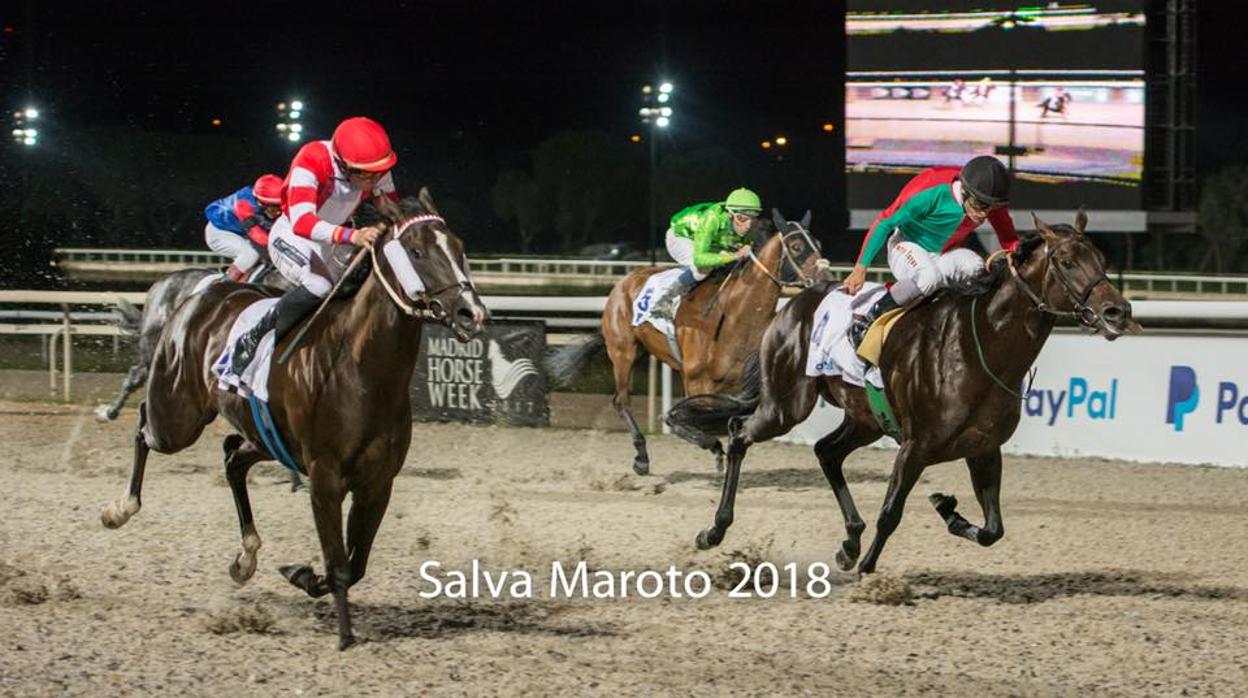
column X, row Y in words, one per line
column 1173, row 399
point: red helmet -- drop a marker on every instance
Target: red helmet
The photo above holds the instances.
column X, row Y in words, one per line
column 268, row 189
column 363, row 145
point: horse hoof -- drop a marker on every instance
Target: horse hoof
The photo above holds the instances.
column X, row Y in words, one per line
column 243, row 567
column 641, row 467
column 946, row 504
column 103, row 414
column 844, row 561
column 299, row 575
column 116, row 514
column 345, row 642
column 708, row 539
column 298, row 487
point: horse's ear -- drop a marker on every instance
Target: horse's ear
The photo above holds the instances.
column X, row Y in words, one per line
column 1043, row 228
column 777, row 219
column 806, row 220
column 1081, row 220
column 426, row 200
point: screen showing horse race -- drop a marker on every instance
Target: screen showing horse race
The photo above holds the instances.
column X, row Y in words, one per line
column 1056, row 91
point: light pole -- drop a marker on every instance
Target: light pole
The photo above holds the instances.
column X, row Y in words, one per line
column 656, row 112
column 289, row 127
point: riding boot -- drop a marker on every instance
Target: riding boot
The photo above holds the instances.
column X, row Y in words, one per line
column 289, row 310
column 862, row 323
column 664, row 307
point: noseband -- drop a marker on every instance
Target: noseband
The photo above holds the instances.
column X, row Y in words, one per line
column 426, row 306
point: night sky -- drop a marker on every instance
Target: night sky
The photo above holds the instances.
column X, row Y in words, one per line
column 505, row 74
column 509, row 73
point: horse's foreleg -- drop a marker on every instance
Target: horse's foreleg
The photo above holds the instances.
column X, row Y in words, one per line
column 240, row 455
column 134, row 380
column 831, row 451
column 327, row 496
column 118, row 512
column 367, row 510
column 906, row 471
column 986, row 479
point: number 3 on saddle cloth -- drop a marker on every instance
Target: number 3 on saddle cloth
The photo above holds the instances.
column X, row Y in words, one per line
column 253, row 384
column 832, row 353
column 643, row 304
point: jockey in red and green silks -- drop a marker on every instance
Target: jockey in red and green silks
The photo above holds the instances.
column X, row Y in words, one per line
column 703, row 237
column 923, row 231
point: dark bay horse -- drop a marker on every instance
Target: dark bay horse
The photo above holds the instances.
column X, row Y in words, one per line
column 952, row 401
column 340, row 403
column 163, row 297
column 718, row 325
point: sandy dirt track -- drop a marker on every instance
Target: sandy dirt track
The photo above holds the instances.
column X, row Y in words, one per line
column 1112, row 579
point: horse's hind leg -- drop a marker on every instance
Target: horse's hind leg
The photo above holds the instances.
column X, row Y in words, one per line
column 118, row 512
column 240, row 455
column 831, row 451
column 986, row 479
column 622, row 358
column 768, row 421
column 134, row 380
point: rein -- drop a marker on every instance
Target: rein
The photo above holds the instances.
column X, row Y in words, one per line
column 787, row 256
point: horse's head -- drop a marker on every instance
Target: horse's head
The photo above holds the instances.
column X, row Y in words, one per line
column 1073, row 280
column 801, row 262
column 428, row 261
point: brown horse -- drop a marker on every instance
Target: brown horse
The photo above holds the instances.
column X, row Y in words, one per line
column 340, row 403
column 951, row 367
column 718, row 325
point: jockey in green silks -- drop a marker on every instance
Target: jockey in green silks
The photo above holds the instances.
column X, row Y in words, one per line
column 703, row 237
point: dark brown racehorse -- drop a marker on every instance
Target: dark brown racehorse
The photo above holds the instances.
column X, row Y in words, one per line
column 952, row 401
column 340, row 402
column 718, row 325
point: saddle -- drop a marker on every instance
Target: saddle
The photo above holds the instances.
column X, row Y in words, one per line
column 873, row 342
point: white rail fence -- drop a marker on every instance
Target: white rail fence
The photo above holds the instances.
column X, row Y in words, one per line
column 570, row 270
column 560, row 314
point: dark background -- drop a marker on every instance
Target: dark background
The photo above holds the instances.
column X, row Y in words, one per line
column 517, row 115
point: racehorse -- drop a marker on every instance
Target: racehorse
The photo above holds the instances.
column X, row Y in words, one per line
column 340, row 402
column 718, row 325
column 163, row 297
column 952, row 366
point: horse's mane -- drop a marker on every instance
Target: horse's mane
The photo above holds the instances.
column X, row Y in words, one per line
column 368, row 214
column 1028, row 242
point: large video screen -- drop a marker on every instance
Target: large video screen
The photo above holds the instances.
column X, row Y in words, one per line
column 1055, row 90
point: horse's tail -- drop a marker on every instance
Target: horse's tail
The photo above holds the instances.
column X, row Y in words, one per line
column 128, row 318
column 563, row 364
column 710, row 414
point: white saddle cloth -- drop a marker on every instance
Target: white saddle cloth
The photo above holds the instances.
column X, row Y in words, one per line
column 644, row 302
column 831, row 351
column 255, row 377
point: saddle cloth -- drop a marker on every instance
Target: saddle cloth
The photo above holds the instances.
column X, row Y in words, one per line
column 642, row 304
column 831, row 351
column 255, row 377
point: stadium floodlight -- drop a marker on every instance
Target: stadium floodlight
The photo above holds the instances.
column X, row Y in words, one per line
column 288, row 127
column 294, row 114
column 293, row 137
column 781, row 141
column 29, row 141
column 646, row 89
column 296, row 128
column 666, row 88
column 282, row 127
column 32, row 113
column 665, row 111
column 662, row 122
column 296, row 105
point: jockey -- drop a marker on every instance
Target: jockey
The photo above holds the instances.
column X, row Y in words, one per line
column 247, row 214
column 924, row 228
column 703, row 237
column 328, row 180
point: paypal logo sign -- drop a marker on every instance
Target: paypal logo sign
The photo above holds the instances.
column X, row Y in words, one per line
column 1079, row 399
column 1184, row 396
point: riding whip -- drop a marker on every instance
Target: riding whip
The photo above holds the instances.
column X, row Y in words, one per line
column 290, row 348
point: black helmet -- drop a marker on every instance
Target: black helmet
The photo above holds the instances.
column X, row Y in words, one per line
column 986, row 180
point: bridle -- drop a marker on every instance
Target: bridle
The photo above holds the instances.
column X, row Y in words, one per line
column 426, row 306
column 787, row 256
column 1082, row 313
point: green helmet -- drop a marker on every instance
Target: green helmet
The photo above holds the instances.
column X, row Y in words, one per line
column 743, row 200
